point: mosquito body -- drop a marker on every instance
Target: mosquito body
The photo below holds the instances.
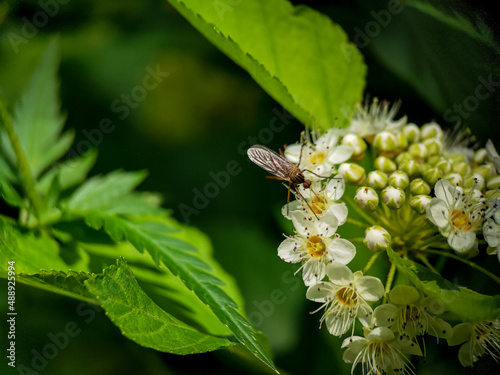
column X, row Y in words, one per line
column 280, row 168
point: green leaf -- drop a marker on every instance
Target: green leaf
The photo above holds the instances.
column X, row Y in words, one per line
column 299, row 56
column 141, row 320
column 32, row 252
column 465, row 303
column 37, row 119
column 70, row 172
column 10, row 195
column 112, row 193
column 182, row 260
column 70, row 284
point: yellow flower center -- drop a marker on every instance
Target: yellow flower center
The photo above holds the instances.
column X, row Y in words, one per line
column 460, row 220
column 316, row 247
column 317, row 158
column 318, row 205
column 347, row 296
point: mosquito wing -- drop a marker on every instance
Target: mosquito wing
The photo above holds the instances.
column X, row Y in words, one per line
column 270, row 161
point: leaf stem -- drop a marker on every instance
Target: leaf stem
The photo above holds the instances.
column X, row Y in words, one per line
column 370, row 262
column 468, row 262
column 390, row 279
column 22, row 163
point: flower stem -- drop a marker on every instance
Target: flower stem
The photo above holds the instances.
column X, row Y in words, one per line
column 420, row 245
column 370, row 262
column 356, row 222
column 468, row 262
column 425, row 261
column 22, row 163
column 390, row 279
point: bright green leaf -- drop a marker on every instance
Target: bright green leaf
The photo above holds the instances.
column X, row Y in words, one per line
column 182, row 259
column 465, row 303
column 10, row 195
column 299, row 56
column 141, row 320
column 37, row 119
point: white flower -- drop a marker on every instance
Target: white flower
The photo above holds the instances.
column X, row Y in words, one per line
column 321, row 199
column 315, row 245
column 321, row 155
column 379, row 352
column 345, row 297
column 491, row 232
column 374, row 118
column 458, row 216
column 493, row 155
column 480, row 338
column 410, row 315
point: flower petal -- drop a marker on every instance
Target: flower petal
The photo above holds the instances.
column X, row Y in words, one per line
column 290, row 250
column 340, row 211
column 326, row 225
column 341, row 250
column 302, row 222
column 321, row 292
column 313, row 272
column 380, row 334
column 335, row 188
column 339, row 274
column 292, row 152
column 295, row 205
column 370, row 288
column 444, row 190
column 340, row 154
column 438, row 212
column 384, row 314
column 365, row 314
column 461, row 332
column 404, row 295
column 462, row 242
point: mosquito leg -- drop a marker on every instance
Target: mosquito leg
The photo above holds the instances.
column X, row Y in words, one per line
column 305, row 200
column 288, row 199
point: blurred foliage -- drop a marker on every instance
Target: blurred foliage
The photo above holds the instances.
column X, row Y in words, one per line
column 198, row 119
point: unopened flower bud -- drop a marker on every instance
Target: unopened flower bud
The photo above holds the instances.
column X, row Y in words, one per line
column 419, row 187
column 410, row 167
column 385, row 143
column 434, row 146
column 376, row 179
column 353, row 174
column 393, row 197
column 455, row 179
column 411, row 133
column 432, row 175
column 493, row 182
column 357, row 143
column 444, row 166
column 461, row 167
column 366, row 198
column 482, row 170
column 474, row 181
column 385, row 164
column 403, row 157
column 420, row 202
column 399, row 179
column 402, row 141
column 480, row 156
column 431, row 130
column 377, row 238
column 418, row 151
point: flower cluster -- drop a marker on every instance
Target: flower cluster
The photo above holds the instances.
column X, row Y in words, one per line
column 420, row 192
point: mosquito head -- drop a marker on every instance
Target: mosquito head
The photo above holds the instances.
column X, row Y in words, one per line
column 307, row 184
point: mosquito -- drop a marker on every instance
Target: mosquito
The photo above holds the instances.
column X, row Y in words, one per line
column 281, row 169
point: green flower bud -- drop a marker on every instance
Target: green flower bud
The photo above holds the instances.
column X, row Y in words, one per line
column 434, row 146
column 402, row 141
column 377, row 238
column 410, row 167
column 353, row 174
column 393, row 197
column 482, row 170
column 432, row 175
column 461, row 167
column 458, row 158
column 420, row 202
column 411, row 132
column 366, row 198
column 385, row 164
column 398, row 179
column 480, row 156
column 434, row 159
column 444, row 166
column 419, row 187
column 431, row 130
column 475, row 181
column 357, row 143
column 377, row 180
column 385, row 143
column 493, row 182
column 418, row 151
column 403, row 157
column 455, row 179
